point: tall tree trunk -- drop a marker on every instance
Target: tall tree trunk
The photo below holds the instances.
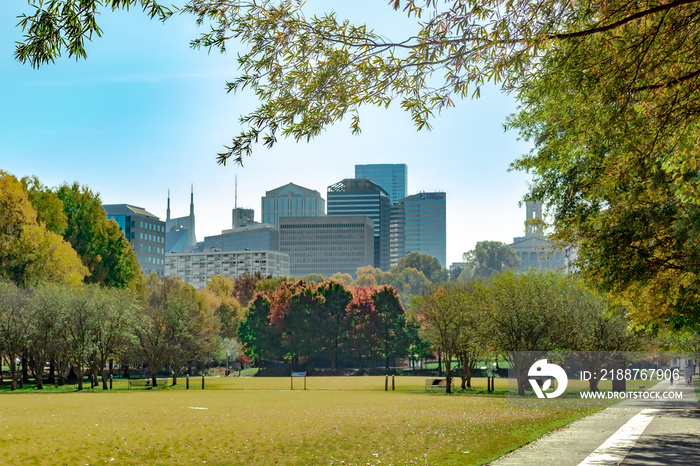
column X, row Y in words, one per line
column 448, row 373
column 39, row 370
column 52, row 369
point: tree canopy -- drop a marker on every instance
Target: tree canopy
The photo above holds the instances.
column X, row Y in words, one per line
column 489, row 257
column 609, row 93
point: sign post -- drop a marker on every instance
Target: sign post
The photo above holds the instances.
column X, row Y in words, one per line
column 297, row 374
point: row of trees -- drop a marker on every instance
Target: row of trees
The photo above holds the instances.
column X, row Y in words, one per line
column 307, row 320
column 514, row 316
column 84, row 328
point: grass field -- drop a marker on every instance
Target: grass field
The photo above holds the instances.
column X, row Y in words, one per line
column 339, row 420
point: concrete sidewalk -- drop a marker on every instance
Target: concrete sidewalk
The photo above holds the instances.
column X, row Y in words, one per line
column 634, row 432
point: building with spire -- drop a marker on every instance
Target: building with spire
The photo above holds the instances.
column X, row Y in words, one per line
column 180, row 232
column 534, row 249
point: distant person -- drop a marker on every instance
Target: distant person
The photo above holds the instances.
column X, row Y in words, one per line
column 688, row 372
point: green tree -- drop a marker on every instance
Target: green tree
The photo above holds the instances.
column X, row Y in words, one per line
column 439, row 315
column 256, row 331
column 336, row 299
column 618, row 168
column 527, row 317
column 48, row 206
column 391, row 323
column 14, row 327
column 104, row 250
column 57, row 26
column 47, row 306
column 489, row 257
column 429, row 265
column 116, row 317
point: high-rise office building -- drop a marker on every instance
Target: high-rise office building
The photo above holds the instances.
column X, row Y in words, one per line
column 179, row 232
column 291, row 200
column 425, row 225
column 364, row 197
column 326, row 245
column 145, row 232
column 392, row 177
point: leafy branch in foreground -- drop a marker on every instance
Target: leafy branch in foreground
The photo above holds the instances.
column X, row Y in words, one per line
column 63, row 25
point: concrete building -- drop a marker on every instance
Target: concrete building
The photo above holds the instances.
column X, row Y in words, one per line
column 424, row 225
column 291, row 200
column 145, row 231
column 326, row 245
column 534, row 249
column 196, row 268
column 242, row 217
column 257, row 237
column 180, row 232
column 364, row 197
column 392, row 177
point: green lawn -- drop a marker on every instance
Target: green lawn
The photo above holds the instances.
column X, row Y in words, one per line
column 339, row 420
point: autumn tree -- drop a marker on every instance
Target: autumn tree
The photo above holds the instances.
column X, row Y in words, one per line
column 29, row 253
column 178, row 326
column 220, row 292
column 361, row 321
column 245, row 286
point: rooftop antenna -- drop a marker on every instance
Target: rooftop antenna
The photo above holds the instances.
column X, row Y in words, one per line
column 235, row 198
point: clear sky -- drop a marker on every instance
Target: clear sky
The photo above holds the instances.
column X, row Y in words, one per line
column 145, row 113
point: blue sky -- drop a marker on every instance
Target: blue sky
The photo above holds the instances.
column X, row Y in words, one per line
column 145, row 113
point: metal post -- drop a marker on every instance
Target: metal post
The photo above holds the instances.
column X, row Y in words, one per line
column 111, row 379
column 202, row 381
column 386, row 383
column 187, row 381
column 393, row 382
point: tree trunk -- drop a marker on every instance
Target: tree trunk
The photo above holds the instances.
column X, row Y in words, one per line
column 448, row 373
column 39, row 370
column 25, row 370
column 52, row 369
column 154, row 382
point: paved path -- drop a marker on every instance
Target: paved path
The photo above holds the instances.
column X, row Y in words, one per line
column 632, row 433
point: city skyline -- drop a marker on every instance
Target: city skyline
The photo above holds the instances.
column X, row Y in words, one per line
column 144, row 114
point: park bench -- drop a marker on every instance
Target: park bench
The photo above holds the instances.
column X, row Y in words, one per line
column 140, row 383
column 147, row 382
column 435, row 382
